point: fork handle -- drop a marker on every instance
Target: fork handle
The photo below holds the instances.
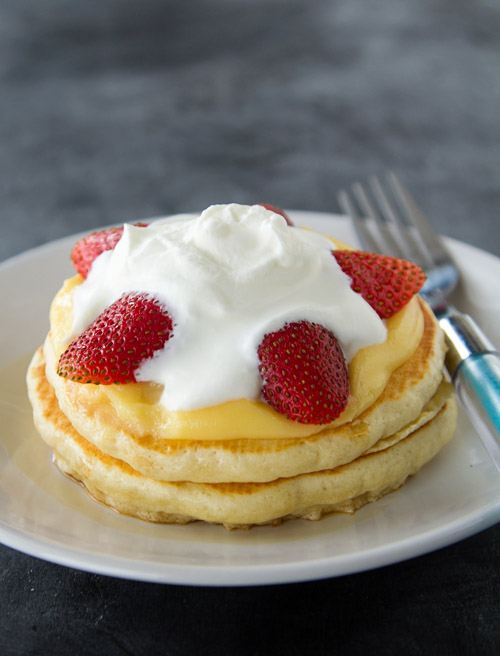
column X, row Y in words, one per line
column 474, row 366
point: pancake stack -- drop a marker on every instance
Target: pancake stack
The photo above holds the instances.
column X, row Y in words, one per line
column 241, row 463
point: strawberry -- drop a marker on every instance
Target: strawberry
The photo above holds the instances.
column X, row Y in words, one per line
column 277, row 210
column 304, row 373
column 124, row 335
column 87, row 249
column 386, row 283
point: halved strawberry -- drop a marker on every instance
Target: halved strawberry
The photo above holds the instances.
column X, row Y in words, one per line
column 304, row 373
column 277, row 210
column 87, row 249
column 386, row 283
column 124, row 335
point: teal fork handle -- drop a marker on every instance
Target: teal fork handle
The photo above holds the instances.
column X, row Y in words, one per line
column 477, row 380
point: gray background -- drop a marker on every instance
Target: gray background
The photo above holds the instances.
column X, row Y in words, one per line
column 114, row 110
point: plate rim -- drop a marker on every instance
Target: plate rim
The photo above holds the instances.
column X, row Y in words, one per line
column 248, row 576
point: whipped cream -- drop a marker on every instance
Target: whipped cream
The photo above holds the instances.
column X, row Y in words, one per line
column 227, row 277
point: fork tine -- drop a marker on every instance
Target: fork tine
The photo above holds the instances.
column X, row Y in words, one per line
column 364, row 235
column 390, row 244
column 433, row 243
column 412, row 250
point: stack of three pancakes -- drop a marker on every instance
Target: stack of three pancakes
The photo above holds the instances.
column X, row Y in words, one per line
column 241, row 463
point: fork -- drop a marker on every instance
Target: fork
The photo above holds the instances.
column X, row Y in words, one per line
column 388, row 220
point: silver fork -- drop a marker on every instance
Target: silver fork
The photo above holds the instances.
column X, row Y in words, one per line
column 388, row 220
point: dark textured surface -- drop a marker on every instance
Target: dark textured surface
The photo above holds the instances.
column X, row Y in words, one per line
column 113, row 110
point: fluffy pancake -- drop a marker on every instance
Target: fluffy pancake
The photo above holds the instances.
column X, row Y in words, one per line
column 341, row 489
column 407, row 390
column 135, row 407
column 239, row 462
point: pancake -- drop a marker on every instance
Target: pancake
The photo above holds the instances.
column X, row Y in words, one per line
column 136, row 408
column 407, row 390
column 344, row 488
column 231, row 457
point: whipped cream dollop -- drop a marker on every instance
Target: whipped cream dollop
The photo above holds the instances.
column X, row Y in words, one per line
column 227, row 277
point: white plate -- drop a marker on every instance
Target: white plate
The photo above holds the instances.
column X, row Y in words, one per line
column 45, row 514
